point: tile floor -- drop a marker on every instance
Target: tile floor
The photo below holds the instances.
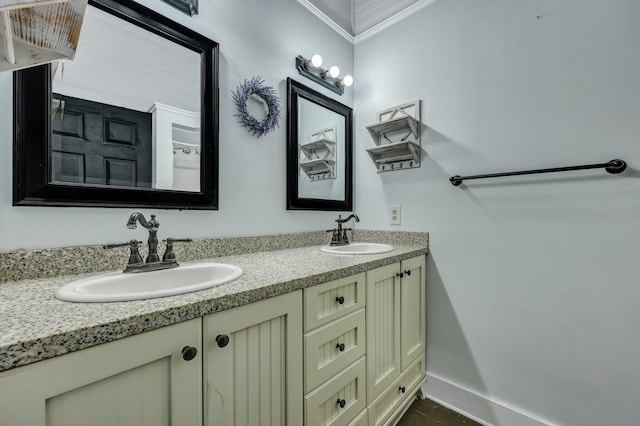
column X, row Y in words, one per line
column 424, row 412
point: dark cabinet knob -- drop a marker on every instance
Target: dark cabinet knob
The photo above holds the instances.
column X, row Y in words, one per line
column 341, row 402
column 408, row 272
column 222, row 340
column 400, row 275
column 189, row 353
column 402, row 389
column 340, row 300
column 340, row 347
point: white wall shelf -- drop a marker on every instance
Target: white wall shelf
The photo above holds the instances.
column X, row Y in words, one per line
column 318, row 155
column 319, row 169
column 397, row 138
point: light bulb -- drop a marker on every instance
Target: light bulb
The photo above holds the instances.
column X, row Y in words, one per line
column 347, row 80
column 316, row 61
column 334, row 71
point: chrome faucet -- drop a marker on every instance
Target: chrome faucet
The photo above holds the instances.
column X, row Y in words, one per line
column 152, row 262
column 339, row 237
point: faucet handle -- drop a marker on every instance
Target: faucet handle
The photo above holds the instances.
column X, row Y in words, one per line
column 130, row 243
column 134, row 256
column 169, row 255
column 177, row 240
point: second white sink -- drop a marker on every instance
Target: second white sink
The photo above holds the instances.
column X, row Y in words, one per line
column 120, row 287
column 358, row 248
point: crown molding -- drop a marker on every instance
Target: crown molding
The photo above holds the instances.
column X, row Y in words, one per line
column 324, row 18
column 392, row 20
column 371, row 31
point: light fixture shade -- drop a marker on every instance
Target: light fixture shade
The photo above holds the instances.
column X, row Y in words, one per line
column 347, row 80
column 334, row 71
column 35, row 32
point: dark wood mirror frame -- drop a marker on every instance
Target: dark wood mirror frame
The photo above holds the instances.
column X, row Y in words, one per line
column 295, row 91
column 32, row 130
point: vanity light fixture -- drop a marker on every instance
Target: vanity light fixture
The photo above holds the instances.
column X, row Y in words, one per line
column 315, row 61
column 39, row 31
column 329, row 78
column 333, row 72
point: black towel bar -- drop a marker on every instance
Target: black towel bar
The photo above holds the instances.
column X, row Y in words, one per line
column 613, row 167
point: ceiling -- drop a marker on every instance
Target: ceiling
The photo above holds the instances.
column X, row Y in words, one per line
column 357, row 19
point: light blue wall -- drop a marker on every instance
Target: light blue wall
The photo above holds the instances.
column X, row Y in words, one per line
column 532, row 282
column 256, row 38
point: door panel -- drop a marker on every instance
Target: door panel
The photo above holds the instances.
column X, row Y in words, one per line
column 255, row 378
column 115, row 144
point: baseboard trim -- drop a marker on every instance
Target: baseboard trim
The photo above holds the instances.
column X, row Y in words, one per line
column 477, row 407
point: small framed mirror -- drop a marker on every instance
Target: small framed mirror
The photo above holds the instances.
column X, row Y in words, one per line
column 131, row 122
column 319, row 151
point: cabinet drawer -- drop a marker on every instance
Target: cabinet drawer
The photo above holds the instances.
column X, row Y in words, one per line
column 326, row 302
column 361, row 420
column 323, row 357
column 322, row 406
column 392, row 399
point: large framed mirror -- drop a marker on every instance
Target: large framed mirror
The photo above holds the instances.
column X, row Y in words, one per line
column 131, row 122
column 319, row 151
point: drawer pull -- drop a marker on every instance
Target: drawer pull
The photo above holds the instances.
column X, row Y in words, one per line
column 400, row 275
column 408, row 272
column 341, row 402
column 340, row 347
column 340, row 300
column 189, row 353
column 402, row 389
column 222, row 340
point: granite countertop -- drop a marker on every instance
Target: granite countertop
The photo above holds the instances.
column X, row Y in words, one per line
column 34, row 325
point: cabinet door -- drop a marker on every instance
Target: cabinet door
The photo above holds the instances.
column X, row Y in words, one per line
column 255, row 377
column 140, row 381
column 392, row 401
column 382, row 328
column 412, row 310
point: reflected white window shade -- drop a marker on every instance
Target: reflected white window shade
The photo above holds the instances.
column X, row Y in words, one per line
column 36, row 32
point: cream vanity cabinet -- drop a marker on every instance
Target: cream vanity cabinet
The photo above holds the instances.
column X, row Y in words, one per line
column 334, row 352
column 149, row 379
column 253, row 365
column 364, row 345
column 395, row 326
column 348, row 352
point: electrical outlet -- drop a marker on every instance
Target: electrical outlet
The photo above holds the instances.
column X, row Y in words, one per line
column 394, row 215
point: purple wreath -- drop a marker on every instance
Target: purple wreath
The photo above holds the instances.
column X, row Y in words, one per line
column 268, row 94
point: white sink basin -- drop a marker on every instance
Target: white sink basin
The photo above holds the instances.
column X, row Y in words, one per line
column 358, row 248
column 120, row 287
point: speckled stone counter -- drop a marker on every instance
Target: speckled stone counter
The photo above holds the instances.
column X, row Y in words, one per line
column 36, row 326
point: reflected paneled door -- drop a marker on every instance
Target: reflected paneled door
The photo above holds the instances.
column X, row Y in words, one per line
column 99, row 144
column 253, row 364
column 136, row 381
